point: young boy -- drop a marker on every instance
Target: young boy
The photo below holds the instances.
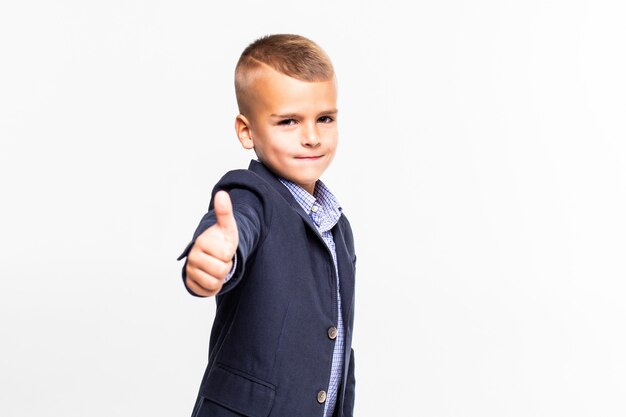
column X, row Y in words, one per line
column 276, row 249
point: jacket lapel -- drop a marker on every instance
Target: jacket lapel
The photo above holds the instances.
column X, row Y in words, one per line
column 261, row 170
column 344, row 258
column 346, row 269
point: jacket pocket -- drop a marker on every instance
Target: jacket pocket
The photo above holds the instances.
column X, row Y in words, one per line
column 238, row 391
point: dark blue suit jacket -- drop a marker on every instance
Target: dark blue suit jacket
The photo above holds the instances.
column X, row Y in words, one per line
column 270, row 353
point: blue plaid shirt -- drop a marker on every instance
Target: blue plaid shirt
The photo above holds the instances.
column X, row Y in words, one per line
column 325, row 212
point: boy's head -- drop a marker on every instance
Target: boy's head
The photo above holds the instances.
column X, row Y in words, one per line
column 287, row 97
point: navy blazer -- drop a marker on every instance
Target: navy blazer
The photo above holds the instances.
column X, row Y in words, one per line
column 270, row 352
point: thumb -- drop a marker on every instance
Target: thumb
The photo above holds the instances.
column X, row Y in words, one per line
column 224, row 213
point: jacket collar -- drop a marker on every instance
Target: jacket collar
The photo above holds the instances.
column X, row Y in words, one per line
column 272, row 179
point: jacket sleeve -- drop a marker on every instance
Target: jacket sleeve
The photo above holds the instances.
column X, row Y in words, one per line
column 251, row 216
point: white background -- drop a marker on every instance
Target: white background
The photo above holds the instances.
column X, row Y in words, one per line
column 482, row 164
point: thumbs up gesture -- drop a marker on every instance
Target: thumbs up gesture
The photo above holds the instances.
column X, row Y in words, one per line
column 211, row 257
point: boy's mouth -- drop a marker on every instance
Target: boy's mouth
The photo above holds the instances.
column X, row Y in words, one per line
column 309, row 158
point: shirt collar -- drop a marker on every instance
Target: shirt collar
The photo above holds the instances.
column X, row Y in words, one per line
column 322, row 206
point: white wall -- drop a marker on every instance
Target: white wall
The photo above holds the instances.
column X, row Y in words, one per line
column 482, row 165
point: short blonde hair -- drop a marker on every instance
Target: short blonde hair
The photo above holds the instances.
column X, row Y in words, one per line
column 292, row 55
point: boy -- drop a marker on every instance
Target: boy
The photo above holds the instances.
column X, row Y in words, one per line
column 276, row 249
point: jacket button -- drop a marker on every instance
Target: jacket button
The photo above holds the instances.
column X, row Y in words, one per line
column 332, row 333
column 321, row 397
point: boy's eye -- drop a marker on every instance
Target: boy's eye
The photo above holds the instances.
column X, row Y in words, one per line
column 326, row 119
column 287, row 122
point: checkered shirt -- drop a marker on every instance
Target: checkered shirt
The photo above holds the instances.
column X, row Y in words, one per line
column 323, row 208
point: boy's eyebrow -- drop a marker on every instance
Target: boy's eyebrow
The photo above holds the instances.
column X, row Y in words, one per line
column 294, row 115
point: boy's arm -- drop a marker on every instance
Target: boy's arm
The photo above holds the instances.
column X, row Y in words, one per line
column 221, row 233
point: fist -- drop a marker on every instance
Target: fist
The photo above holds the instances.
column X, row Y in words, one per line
column 211, row 257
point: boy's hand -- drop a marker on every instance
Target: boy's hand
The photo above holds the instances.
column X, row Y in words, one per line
column 211, row 257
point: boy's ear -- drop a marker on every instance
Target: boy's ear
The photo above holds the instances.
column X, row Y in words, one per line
column 242, row 127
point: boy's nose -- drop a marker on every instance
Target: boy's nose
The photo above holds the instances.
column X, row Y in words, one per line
column 311, row 138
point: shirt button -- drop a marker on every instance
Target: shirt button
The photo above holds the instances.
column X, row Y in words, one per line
column 314, row 208
column 321, row 397
column 332, row 333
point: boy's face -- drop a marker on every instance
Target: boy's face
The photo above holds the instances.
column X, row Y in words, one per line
column 292, row 125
